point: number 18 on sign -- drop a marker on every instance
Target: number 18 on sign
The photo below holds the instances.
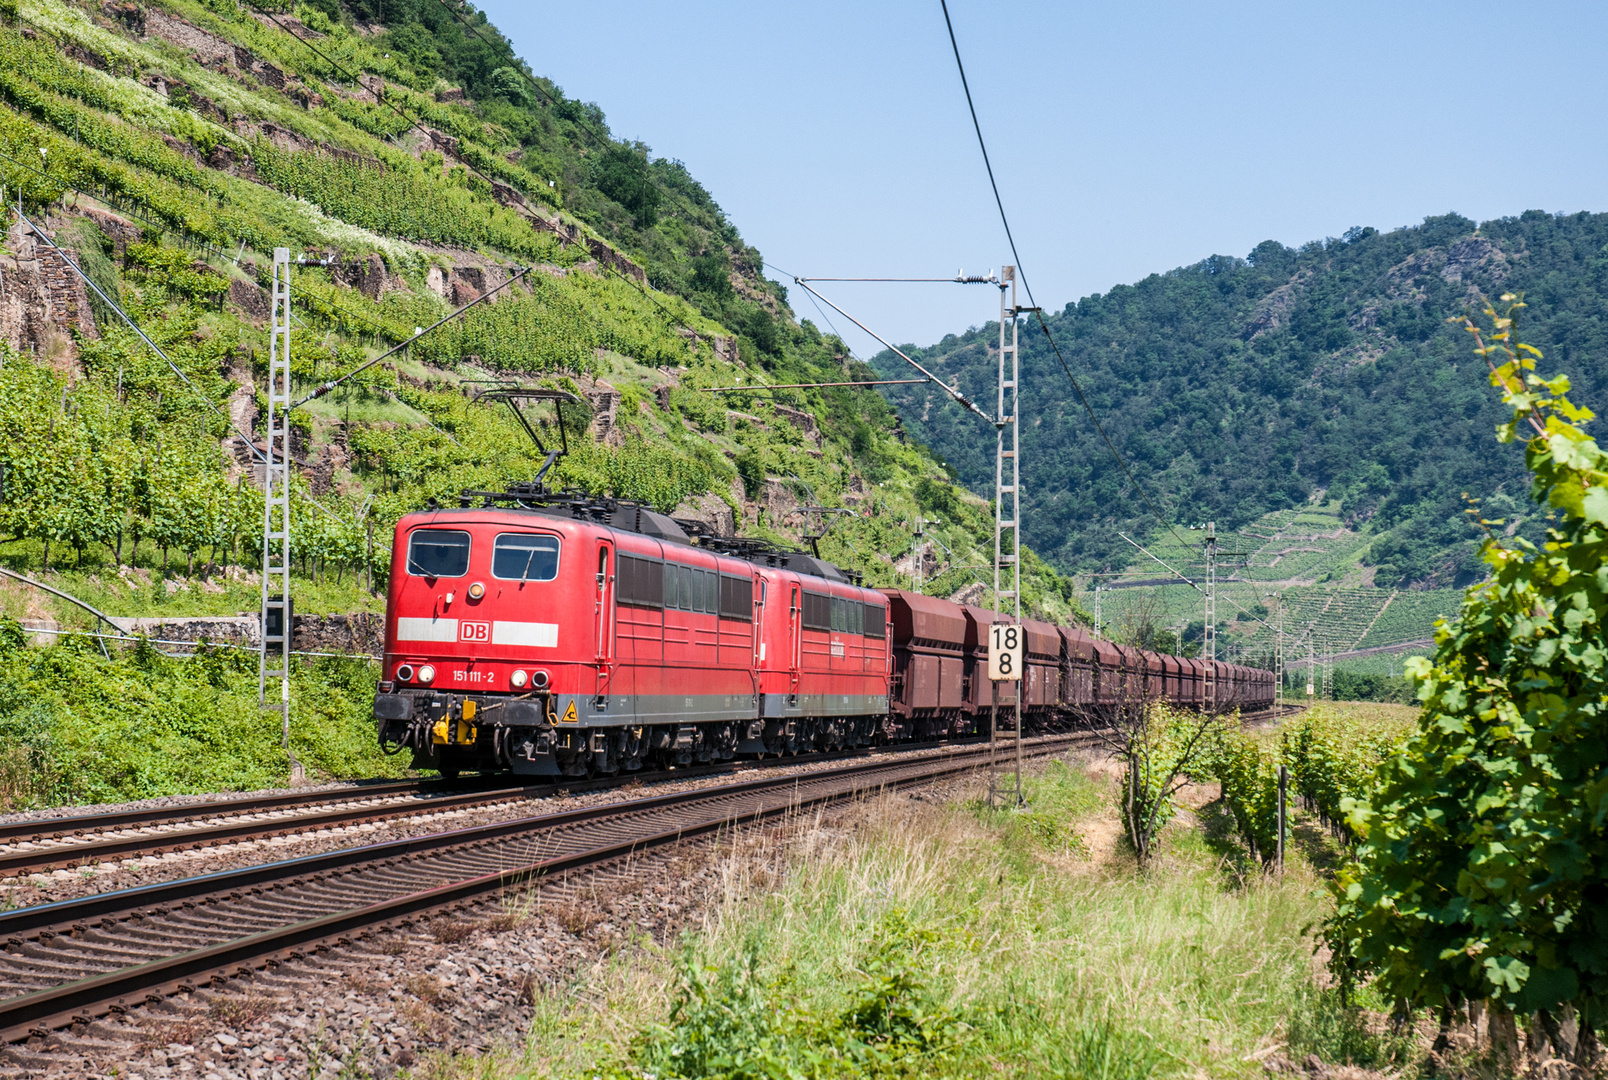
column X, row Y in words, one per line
column 1004, row 652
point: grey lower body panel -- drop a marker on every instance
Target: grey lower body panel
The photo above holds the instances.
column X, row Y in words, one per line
column 843, row 704
column 779, row 706
column 622, row 710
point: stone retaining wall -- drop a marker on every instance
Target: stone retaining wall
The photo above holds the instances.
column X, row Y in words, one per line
column 359, row 633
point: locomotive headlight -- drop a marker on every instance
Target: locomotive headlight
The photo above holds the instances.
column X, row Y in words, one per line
column 477, row 590
column 539, row 680
column 405, row 672
column 427, row 673
column 518, row 679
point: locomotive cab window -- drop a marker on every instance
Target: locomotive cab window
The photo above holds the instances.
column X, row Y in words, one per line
column 438, row 553
column 525, row 557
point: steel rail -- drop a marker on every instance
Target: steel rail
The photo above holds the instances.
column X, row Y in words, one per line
column 41, row 829
column 648, row 824
column 435, row 796
column 69, row 855
column 25, row 923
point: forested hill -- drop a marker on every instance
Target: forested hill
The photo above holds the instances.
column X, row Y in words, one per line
column 1236, row 387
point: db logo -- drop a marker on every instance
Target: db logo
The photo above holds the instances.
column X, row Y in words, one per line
column 474, row 631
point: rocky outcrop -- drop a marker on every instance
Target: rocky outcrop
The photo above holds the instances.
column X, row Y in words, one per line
column 249, row 298
column 367, row 275
column 709, row 510
column 1465, row 257
column 609, row 257
column 1273, row 312
column 42, row 301
column 1458, row 263
column 973, row 594
column 605, row 403
column 469, row 283
column 803, row 421
column 121, row 231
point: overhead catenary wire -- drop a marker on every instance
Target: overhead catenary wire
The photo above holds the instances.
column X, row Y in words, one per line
column 172, row 641
column 601, row 139
column 75, row 268
column 1044, row 326
column 958, row 279
column 99, row 614
column 816, row 304
column 1186, row 580
column 951, row 391
column 167, row 227
column 413, row 121
column 809, row 385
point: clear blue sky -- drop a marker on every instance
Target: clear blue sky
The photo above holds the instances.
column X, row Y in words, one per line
column 1127, row 138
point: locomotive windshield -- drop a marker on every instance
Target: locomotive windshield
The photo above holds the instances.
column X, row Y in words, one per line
column 438, row 553
column 525, row 557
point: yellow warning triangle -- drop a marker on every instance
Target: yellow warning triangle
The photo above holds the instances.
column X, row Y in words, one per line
column 569, row 713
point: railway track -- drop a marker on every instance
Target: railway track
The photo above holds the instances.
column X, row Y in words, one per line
column 32, row 846
column 71, row 962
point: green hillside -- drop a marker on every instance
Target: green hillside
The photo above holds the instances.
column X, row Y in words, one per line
column 401, row 151
column 1299, row 571
column 1239, row 388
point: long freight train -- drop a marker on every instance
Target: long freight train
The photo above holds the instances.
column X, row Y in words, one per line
column 569, row 636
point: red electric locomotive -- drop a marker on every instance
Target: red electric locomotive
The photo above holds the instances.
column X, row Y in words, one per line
column 564, row 635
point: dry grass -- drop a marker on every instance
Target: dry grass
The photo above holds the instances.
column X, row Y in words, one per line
column 239, row 1012
column 450, row 931
column 1035, row 938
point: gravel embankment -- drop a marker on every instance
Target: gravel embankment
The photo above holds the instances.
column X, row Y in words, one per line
column 462, row 982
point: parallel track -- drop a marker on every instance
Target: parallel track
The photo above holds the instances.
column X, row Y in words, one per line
column 73, row 961
column 79, row 840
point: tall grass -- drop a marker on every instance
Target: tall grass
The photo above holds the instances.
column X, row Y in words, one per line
column 954, row 941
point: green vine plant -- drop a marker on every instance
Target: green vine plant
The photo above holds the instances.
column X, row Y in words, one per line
column 1478, row 885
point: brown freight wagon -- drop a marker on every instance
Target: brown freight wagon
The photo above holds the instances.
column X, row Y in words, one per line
column 1077, row 669
column 928, row 648
column 1041, row 656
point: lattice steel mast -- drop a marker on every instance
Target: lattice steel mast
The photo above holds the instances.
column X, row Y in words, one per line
column 1008, row 483
column 276, row 609
column 1278, row 650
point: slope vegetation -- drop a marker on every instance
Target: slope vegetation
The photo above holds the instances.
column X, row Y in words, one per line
column 412, row 165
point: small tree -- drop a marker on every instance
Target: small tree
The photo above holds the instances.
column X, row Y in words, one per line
column 1159, row 747
column 1482, row 875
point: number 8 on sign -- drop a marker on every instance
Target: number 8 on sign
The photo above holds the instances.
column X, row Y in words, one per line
column 1004, row 652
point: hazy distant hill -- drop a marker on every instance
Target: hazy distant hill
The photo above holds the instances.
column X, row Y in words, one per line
column 1237, row 387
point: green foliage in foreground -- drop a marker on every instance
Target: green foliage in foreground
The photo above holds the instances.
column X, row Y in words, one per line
column 1484, row 862
column 1331, row 754
column 946, row 942
column 78, row 727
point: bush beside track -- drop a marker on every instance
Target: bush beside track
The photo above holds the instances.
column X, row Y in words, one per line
column 79, row 727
